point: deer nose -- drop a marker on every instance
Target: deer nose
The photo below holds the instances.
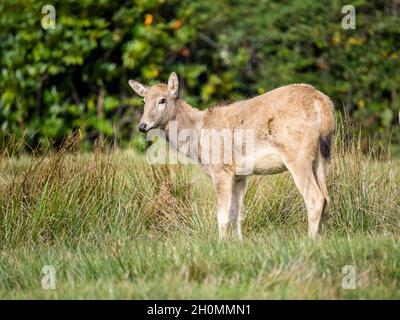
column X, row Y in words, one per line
column 142, row 127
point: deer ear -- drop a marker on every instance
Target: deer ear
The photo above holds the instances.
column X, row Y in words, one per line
column 139, row 88
column 173, row 84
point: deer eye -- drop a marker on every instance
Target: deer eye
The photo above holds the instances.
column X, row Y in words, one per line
column 162, row 101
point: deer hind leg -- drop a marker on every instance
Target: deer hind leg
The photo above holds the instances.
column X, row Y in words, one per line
column 314, row 199
column 319, row 173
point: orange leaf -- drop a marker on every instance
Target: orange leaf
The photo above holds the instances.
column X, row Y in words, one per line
column 148, row 20
column 176, row 24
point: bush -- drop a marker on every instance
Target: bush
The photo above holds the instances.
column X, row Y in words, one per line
column 54, row 82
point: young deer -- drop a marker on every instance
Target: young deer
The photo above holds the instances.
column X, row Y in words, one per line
column 292, row 130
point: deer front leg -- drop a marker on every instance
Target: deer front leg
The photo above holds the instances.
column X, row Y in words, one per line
column 230, row 191
column 237, row 214
column 224, row 190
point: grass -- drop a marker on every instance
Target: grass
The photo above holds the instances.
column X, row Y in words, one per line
column 115, row 227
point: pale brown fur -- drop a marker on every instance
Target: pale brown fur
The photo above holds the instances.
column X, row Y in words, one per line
column 293, row 126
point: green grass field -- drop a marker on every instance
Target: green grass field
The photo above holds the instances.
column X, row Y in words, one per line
column 114, row 227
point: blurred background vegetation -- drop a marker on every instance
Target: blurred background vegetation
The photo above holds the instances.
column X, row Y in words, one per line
column 55, row 82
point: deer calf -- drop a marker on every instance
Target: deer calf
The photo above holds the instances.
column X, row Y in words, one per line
column 291, row 129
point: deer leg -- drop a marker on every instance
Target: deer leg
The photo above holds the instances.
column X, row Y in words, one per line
column 224, row 189
column 319, row 173
column 237, row 214
column 314, row 199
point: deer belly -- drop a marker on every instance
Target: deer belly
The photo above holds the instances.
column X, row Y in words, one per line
column 268, row 161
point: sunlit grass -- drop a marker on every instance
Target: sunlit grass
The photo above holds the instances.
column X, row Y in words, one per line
column 115, row 227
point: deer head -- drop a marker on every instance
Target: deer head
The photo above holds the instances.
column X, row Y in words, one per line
column 159, row 102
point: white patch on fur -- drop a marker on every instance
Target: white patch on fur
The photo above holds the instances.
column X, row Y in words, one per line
column 317, row 107
column 161, row 107
column 267, row 160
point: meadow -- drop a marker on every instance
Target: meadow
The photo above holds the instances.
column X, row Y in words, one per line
column 114, row 227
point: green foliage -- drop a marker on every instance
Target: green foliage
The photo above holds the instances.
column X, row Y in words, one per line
column 54, row 82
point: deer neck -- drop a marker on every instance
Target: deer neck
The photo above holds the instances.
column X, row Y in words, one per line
column 185, row 126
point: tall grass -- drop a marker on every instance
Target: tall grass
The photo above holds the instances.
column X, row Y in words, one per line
column 115, row 227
